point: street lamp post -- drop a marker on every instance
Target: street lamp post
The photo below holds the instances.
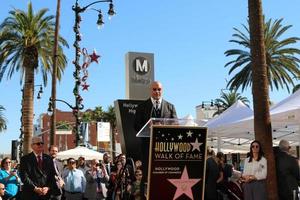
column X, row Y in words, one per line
column 40, row 92
column 78, row 99
column 73, row 108
column 76, row 74
column 212, row 104
column 204, row 104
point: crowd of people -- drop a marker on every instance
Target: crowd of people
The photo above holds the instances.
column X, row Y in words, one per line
column 41, row 176
column 224, row 182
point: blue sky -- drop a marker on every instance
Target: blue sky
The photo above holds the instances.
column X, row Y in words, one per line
column 188, row 40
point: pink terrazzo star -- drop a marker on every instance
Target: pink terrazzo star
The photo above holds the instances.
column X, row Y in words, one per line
column 184, row 185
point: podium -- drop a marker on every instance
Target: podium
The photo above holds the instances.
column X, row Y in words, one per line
column 146, row 129
column 176, row 158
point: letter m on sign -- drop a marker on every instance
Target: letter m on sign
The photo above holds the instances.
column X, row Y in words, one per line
column 141, row 66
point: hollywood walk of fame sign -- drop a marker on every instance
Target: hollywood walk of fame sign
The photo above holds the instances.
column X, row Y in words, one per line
column 177, row 163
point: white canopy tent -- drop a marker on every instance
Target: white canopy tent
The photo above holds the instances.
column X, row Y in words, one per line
column 231, row 115
column 285, row 118
column 79, row 151
column 188, row 120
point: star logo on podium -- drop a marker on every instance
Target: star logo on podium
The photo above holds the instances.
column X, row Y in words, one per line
column 196, row 145
column 189, row 133
column 184, row 185
column 180, row 137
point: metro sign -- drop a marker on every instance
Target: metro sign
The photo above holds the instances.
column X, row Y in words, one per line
column 141, row 65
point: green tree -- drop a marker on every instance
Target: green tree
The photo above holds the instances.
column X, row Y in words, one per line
column 26, row 43
column 3, row 121
column 281, row 60
column 97, row 115
column 110, row 116
column 87, row 116
column 260, row 90
column 297, row 87
column 228, row 99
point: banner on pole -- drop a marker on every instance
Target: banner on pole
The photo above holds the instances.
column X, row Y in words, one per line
column 103, row 131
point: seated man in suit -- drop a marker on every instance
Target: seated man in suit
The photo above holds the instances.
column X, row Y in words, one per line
column 37, row 173
column 153, row 107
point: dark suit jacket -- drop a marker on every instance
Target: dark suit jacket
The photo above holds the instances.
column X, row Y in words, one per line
column 144, row 113
column 32, row 176
column 211, row 177
column 288, row 175
column 60, row 167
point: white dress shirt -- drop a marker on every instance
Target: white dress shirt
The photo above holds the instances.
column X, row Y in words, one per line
column 256, row 168
column 154, row 102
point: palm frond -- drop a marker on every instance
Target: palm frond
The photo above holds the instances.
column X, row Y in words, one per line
column 282, row 59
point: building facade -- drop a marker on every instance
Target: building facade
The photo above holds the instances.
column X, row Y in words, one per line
column 205, row 112
column 65, row 138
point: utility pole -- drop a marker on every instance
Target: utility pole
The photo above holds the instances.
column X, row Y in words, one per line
column 54, row 76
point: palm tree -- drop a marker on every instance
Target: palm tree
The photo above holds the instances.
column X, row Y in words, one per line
column 228, row 99
column 98, row 114
column 110, row 116
column 282, row 63
column 3, row 121
column 297, row 87
column 26, row 43
column 262, row 120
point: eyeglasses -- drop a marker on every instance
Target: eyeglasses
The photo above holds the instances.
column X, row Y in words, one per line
column 255, row 146
column 39, row 143
column 72, row 162
column 156, row 89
